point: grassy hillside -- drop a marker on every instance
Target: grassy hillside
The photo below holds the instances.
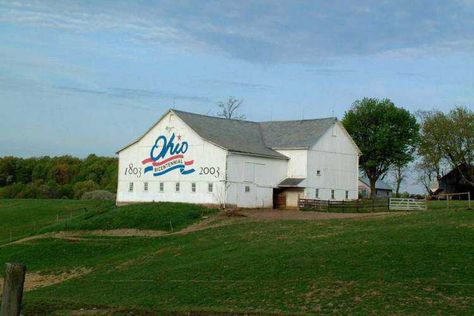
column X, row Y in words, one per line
column 164, row 216
column 22, row 217
column 402, row 264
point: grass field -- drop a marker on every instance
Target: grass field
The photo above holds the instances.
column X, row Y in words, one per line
column 163, row 216
column 417, row 263
column 19, row 218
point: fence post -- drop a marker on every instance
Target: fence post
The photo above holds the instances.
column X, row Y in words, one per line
column 469, row 200
column 13, row 289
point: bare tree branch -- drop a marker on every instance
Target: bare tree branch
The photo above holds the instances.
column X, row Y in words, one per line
column 230, row 109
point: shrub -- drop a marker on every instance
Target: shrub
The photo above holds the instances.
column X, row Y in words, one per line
column 84, row 186
column 98, row 195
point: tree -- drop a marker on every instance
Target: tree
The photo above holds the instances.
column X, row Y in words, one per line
column 399, row 174
column 385, row 134
column 229, row 109
column 448, row 139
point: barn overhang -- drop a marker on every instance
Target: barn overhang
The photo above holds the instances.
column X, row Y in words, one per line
column 291, row 183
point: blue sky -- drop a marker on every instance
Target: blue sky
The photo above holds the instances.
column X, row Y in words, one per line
column 88, row 77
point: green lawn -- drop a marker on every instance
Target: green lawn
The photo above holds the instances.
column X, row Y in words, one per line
column 453, row 204
column 20, row 218
column 164, row 216
column 419, row 263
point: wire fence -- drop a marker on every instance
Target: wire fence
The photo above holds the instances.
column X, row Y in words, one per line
column 353, row 206
column 63, row 218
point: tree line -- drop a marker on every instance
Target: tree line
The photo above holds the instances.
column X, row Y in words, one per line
column 56, row 177
column 395, row 142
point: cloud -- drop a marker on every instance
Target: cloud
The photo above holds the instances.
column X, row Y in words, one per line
column 245, row 85
column 330, row 71
column 266, row 32
column 128, row 93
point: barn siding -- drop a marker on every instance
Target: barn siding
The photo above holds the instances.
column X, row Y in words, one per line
column 202, row 152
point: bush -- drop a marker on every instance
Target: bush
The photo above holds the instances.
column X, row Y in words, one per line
column 84, row 186
column 98, row 195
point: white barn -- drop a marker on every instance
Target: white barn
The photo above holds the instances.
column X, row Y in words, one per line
column 187, row 157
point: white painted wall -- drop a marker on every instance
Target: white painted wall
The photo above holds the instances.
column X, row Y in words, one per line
column 204, row 154
column 298, row 163
column 337, row 158
column 259, row 174
column 239, row 179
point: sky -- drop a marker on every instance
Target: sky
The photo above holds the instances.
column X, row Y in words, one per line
column 81, row 77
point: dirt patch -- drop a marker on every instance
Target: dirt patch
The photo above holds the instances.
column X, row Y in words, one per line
column 300, row 215
column 76, row 235
column 125, row 232
column 34, row 280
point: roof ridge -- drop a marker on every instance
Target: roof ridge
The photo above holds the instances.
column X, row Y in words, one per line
column 214, row 117
column 314, row 119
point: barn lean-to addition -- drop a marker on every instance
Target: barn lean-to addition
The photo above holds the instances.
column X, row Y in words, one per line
column 187, row 157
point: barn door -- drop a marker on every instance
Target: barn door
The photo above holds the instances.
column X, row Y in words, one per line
column 279, row 199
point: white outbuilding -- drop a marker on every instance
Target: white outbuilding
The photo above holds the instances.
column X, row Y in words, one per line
column 187, row 157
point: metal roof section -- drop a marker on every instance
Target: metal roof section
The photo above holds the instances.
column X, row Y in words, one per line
column 233, row 135
column 291, row 182
column 295, row 134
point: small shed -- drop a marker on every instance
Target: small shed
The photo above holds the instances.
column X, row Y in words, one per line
column 382, row 189
column 455, row 181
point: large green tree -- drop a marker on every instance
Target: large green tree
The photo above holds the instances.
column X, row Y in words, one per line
column 385, row 134
column 447, row 139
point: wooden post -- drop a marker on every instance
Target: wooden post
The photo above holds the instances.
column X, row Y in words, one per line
column 298, row 203
column 13, row 289
column 469, row 200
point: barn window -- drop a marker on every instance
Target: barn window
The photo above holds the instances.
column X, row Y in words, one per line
column 162, row 186
column 145, row 186
column 247, row 188
column 347, row 195
column 193, row 187
column 130, row 187
column 209, row 187
column 318, row 172
column 316, row 193
column 177, row 186
column 332, row 194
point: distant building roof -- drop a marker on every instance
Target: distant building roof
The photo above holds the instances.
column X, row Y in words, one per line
column 379, row 185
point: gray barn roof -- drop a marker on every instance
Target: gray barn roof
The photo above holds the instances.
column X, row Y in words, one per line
column 234, row 135
column 295, row 134
column 253, row 137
